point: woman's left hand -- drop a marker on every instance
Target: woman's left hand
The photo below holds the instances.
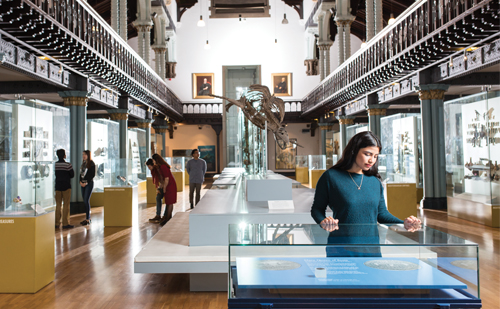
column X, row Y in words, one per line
column 412, row 224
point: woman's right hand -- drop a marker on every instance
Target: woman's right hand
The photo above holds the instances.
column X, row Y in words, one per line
column 329, row 224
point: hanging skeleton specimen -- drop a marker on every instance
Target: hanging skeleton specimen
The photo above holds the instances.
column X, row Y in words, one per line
column 260, row 106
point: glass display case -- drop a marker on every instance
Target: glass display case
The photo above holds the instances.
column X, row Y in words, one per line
column 120, row 175
column 357, row 265
column 137, row 152
column 316, row 162
column 177, row 164
column 401, row 157
column 301, row 161
column 355, row 129
column 104, row 147
column 30, row 133
column 472, row 156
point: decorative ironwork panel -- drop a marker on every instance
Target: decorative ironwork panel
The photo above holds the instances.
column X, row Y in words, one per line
column 492, row 51
column 25, row 60
column 381, row 96
column 42, row 67
column 443, row 68
column 405, row 86
column 474, row 58
column 457, row 66
column 54, row 73
column 9, row 50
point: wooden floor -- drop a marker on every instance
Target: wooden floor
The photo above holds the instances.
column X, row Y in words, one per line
column 94, row 267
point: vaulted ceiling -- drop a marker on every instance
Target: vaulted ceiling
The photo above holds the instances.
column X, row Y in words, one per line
column 358, row 27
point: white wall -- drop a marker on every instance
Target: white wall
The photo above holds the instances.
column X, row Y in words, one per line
column 243, row 43
column 311, row 145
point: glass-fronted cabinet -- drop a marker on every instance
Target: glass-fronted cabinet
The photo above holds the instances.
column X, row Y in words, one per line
column 137, row 152
column 316, row 162
column 355, row 129
column 104, row 146
column 401, row 157
column 472, row 131
column 355, row 266
column 30, row 133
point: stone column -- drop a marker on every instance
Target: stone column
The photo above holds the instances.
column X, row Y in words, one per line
column 146, row 125
column 340, row 25
column 77, row 103
column 160, row 61
column 115, row 14
column 123, row 19
column 121, row 115
column 162, row 130
column 344, row 121
column 143, row 39
column 347, row 39
column 375, row 112
column 324, row 58
column 433, row 145
column 379, row 17
column 370, row 21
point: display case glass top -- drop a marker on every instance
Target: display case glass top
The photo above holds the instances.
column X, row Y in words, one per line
column 305, row 264
column 177, row 164
column 301, row 161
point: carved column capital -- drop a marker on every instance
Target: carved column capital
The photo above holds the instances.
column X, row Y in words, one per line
column 144, row 124
column 161, row 129
column 347, row 120
column 118, row 114
column 74, row 98
column 431, row 92
column 377, row 109
column 312, row 67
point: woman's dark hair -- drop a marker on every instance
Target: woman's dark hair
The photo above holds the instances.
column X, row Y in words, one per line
column 89, row 158
column 159, row 160
column 150, row 162
column 358, row 141
column 194, row 150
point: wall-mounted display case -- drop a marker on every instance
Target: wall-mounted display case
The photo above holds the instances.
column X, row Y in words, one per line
column 400, row 160
column 137, row 151
column 472, row 155
column 30, row 133
column 358, row 265
column 104, row 147
column 355, row 129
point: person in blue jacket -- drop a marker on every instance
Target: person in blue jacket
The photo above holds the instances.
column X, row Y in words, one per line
column 352, row 188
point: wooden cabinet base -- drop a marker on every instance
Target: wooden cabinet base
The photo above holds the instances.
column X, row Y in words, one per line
column 27, row 259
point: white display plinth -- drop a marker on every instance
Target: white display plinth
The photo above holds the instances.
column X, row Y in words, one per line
column 262, row 190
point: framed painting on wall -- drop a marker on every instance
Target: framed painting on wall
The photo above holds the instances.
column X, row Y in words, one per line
column 203, row 85
column 282, row 84
column 285, row 158
column 207, row 153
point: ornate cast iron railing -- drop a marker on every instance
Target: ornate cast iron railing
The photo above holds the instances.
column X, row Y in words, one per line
column 73, row 33
column 429, row 31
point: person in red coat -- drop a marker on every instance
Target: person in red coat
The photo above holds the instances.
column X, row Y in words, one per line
column 169, row 187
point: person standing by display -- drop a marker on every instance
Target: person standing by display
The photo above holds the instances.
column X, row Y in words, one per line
column 87, row 174
column 352, row 188
column 196, row 169
column 169, row 188
column 158, row 181
column 64, row 172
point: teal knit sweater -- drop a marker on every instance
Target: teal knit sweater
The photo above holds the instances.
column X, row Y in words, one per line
column 349, row 205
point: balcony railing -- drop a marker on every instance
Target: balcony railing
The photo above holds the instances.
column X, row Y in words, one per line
column 216, row 108
column 75, row 34
column 428, row 31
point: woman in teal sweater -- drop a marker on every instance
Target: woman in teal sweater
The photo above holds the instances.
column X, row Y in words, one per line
column 353, row 188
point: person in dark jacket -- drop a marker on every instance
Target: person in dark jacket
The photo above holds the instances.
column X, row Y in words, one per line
column 87, row 174
column 64, row 172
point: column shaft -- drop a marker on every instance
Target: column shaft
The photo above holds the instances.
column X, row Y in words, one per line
column 123, row 20
column 341, row 42
column 78, row 143
column 147, row 46
column 370, row 22
column 327, row 61
column 164, row 141
column 115, row 16
column 123, row 138
column 426, row 112
column 321, row 65
column 379, row 18
column 347, row 40
column 140, row 42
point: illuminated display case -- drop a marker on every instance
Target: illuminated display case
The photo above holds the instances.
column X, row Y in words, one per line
column 302, row 169
column 400, row 160
column 356, row 266
column 30, row 133
column 316, row 162
column 472, row 134
column 104, row 147
column 355, row 129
